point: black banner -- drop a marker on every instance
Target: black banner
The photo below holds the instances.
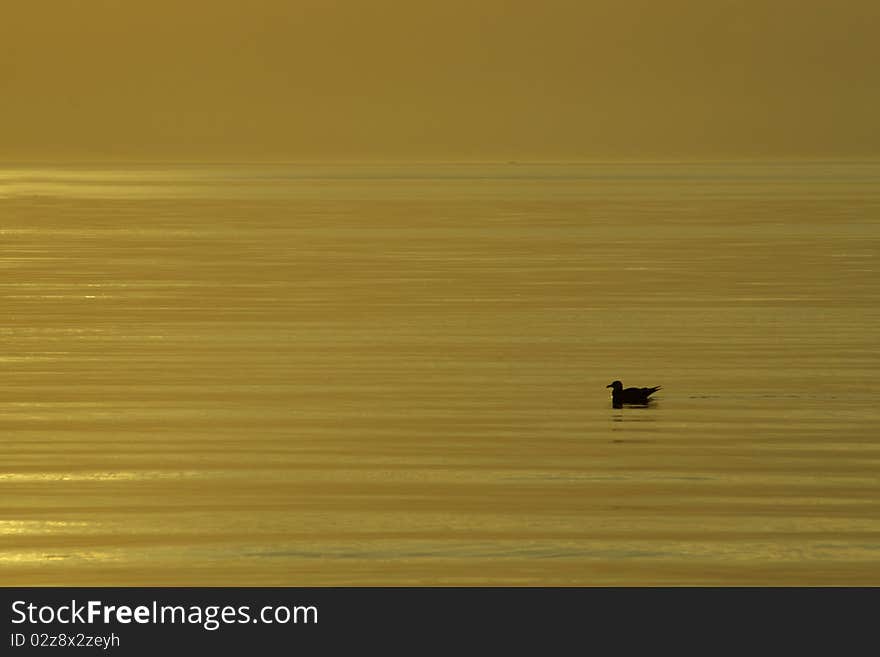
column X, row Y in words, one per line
column 132, row 621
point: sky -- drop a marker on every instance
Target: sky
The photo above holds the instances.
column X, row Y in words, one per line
column 445, row 80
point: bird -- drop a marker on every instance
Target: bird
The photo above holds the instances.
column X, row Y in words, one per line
column 621, row 395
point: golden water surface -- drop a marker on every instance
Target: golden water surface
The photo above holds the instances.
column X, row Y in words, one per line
column 352, row 375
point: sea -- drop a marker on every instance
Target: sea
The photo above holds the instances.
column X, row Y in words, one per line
column 394, row 374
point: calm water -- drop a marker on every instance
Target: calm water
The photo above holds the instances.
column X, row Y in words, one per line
column 396, row 375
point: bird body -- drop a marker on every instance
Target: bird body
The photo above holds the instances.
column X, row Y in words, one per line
column 621, row 395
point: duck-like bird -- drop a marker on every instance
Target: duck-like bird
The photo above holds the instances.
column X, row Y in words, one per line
column 621, row 395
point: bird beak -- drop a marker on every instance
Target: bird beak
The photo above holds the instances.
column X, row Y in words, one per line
column 610, row 385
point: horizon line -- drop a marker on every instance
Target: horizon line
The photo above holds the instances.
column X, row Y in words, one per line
column 28, row 162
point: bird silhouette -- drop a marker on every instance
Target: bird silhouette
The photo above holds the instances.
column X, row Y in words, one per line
column 638, row 396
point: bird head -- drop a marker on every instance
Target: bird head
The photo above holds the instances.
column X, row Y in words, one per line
column 617, row 385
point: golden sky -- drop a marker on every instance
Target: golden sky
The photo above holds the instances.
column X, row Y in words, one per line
column 438, row 79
